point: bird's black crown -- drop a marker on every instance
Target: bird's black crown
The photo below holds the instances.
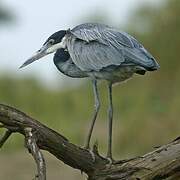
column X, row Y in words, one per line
column 57, row 36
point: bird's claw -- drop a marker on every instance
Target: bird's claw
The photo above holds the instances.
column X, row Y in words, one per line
column 91, row 152
column 110, row 161
column 92, row 155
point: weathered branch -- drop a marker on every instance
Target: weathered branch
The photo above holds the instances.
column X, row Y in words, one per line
column 162, row 163
column 36, row 153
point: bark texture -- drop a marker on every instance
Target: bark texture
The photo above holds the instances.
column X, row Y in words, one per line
column 162, row 163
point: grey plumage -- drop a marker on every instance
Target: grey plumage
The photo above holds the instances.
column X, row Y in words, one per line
column 67, row 66
column 99, row 52
column 93, row 47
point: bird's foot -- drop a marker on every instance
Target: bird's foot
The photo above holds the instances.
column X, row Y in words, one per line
column 90, row 151
column 110, row 161
column 92, row 155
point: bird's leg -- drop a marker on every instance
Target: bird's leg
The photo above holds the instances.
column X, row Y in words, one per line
column 97, row 106
column 110, row 116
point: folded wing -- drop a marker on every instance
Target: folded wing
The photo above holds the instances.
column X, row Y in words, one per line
column 95, row 46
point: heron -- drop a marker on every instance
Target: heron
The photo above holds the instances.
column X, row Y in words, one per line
column 99, row 52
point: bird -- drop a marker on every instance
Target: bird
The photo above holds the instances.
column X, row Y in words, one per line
column 98, row 52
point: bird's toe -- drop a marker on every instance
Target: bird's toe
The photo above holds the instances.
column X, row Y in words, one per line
column 92, row 154
column 110, row 161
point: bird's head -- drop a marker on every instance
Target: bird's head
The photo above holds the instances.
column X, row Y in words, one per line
column 52, row 44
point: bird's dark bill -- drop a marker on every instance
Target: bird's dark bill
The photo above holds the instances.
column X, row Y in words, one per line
column 29, row 61
column 39, row 54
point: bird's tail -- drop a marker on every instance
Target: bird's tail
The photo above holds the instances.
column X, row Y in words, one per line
column 155, row 66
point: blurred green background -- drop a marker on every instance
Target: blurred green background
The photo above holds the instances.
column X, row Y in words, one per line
column 146, row 108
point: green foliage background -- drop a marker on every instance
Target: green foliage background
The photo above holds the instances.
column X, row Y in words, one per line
column 146, row 107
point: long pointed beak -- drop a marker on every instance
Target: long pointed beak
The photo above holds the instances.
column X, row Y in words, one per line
column 39, row 54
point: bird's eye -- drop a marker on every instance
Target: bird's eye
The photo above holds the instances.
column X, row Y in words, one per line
column 51, row 41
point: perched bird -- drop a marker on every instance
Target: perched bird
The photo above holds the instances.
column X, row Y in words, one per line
column 99, row 52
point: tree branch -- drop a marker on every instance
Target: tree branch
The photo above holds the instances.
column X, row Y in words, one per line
column 36, row 153
column 163, row 162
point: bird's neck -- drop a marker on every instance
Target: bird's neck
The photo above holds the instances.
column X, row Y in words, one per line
column 61, row 56
column 60, row 59
column 65, row 65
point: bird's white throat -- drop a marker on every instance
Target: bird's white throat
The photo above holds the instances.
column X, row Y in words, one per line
column 57, row 46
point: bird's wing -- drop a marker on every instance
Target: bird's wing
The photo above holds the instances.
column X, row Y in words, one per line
column 94, row 55
column 95, row 46
column 101, row 33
